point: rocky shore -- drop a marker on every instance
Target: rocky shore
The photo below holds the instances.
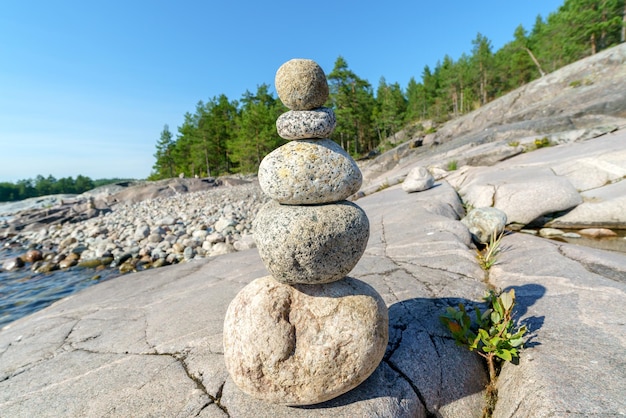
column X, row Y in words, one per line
column 550, row 155
column 136, row 235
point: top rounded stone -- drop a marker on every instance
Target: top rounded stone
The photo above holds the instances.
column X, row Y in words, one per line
column 301, row 84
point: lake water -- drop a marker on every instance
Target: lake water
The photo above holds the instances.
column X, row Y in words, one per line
column 24, row 292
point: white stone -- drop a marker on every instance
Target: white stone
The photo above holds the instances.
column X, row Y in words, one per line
column 418, row 179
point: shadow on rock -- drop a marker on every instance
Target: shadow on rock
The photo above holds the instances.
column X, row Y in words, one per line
column 526, row 296
column 423, row 366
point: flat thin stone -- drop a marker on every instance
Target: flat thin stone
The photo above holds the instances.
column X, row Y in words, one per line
column 310, row 244
column 301, row 84
column 306, row 124
column 312, row 171
column 303, row 344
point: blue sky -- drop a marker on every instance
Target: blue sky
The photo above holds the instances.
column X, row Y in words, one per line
column 86, row 87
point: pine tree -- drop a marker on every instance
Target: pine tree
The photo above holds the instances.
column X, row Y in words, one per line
column 164, row 165
column 256, row 133
column 388, row 114
column 353, row 102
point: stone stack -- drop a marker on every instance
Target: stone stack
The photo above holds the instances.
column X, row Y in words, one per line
column 307, row 333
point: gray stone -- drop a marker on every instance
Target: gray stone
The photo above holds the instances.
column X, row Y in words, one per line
column 602, row 207
column 485, row 223
column 224, row 223
column 304, row 344
column 215, row 237
column 141, row 232
column 301, row 84
column 309, row 172
column 524, row 194
column 12, row 264
column 311, row 244
column 418, row 179
column 550, row 232
column 155, row 238
column 246, row 242
column 188, row 253
column 306, row 124
column 167, row 220
column 221, row 248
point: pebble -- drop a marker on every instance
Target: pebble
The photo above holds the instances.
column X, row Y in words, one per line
column 418, row 180
column 550, row 232
column 597, row 232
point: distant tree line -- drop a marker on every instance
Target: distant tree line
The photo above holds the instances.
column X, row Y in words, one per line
column 42, row 186
column 229, row 136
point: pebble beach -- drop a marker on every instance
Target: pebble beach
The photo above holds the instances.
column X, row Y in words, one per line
column 132, row 237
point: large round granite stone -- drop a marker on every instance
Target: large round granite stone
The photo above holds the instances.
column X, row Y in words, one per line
column 305, row 172
column 304, row 344
column 310, row 244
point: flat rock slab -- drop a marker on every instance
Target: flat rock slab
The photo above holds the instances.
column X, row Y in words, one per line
column 575, row 361
column 150, row 343
column 602, row 207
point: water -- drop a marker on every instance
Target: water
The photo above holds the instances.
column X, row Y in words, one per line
column 23, row 292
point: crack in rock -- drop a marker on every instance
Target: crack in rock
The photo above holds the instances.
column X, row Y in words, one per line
column 200, row 385
column 396, row 263
column 419, row 395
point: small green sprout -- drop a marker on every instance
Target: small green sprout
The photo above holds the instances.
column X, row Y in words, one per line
column 488, row 256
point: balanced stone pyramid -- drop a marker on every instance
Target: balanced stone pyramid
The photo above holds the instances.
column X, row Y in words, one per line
column 307, row 333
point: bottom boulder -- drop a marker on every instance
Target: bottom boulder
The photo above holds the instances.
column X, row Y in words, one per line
column 304, row 344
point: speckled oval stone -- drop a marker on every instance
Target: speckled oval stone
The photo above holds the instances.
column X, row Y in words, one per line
column 305, row 124
column 301, row 84
column 310, row 244
column 311, row 171
column 302, row 345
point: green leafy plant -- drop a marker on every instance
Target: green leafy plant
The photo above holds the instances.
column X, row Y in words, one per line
column 452, row 165
column 491, row 335
column 542, row 142
column 514, row 143
column 576, row 83
column 489, row 255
